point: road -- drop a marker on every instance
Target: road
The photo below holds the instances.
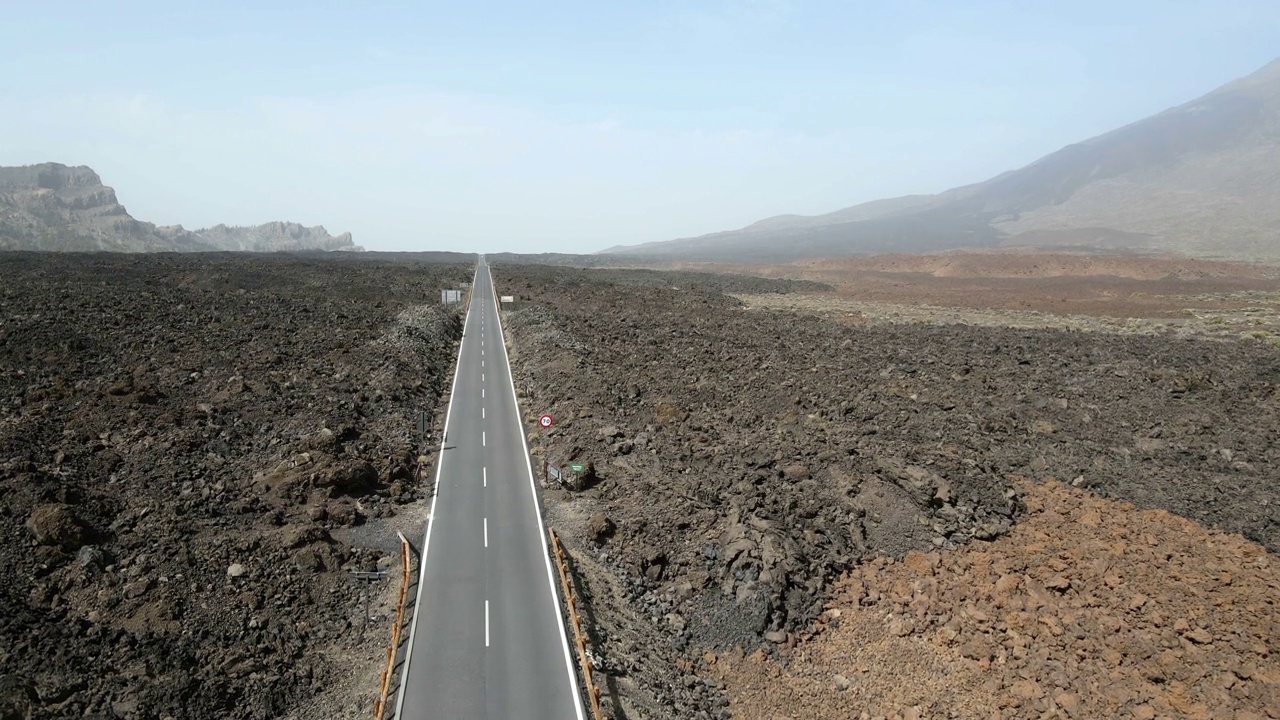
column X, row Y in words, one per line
column 487, row 639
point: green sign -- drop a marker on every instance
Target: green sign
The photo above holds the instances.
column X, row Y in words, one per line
column 578, row 467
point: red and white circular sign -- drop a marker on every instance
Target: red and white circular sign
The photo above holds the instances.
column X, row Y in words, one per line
column 545, row 421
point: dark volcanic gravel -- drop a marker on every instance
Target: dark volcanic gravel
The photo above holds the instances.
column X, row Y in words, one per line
column 743, row 460
column 179, row 437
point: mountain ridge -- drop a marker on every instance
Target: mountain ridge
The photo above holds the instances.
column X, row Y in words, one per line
column 1199, row 179
column 61, row 208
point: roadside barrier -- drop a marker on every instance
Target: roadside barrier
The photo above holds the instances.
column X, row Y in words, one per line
column 575, row 620
column 380, row 704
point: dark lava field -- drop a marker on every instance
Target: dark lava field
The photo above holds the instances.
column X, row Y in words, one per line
column 744, row 460
column 190, row 444
column 182, row 438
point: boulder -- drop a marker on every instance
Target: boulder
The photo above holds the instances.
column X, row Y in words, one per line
column 57, row 524
column 353, row 477
column 600, row 527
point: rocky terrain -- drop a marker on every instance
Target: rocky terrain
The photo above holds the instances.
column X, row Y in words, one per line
column 1199, row 179
column 786, row 512
column 743, row 461
column 274, row 237
column 1043, row 265
column 1088, row 609
column 195, row 451
column 55, row 207
column 1108, row 292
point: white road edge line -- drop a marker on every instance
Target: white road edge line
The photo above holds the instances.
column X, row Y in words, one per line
column 435, row 495
column 537, row 511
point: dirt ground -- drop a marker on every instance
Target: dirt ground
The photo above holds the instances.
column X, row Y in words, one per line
column 195, row 453
column 748, row 462
column 1204, row 317
column 1108, row 286
column 926, row 500
column 1087, row 609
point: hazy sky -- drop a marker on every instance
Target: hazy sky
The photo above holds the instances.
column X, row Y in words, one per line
column 573, row 126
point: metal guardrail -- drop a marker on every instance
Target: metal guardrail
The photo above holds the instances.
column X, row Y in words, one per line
column 380, row 704
column 575, row 620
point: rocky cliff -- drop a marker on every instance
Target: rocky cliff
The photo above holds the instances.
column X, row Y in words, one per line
column 55, row 207
column 275, row 237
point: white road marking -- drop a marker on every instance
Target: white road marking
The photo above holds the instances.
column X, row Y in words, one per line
column 486, row 532
column 485, row 472
column 481, row 393
column 426, row 540
column 486, row 623
column 481, row 377
column 481, row 363
column 482, row 442
column 571, row 675
column 481, row 413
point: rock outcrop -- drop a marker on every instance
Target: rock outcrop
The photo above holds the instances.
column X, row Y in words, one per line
column 275, row 237
column 55, row 207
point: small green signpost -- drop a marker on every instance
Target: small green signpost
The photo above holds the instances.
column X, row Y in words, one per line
column 578, row 468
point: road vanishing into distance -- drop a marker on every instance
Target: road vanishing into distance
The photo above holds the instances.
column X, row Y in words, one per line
column 487, row 639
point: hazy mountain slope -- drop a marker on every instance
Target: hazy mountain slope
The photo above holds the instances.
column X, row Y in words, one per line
column 865, row 211
column 1200, row 178
column 274, row 237
column 55, row 207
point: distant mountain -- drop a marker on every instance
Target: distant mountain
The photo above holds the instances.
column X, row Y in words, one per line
column 1202, row 179
column 274, row 237
column 56, row 207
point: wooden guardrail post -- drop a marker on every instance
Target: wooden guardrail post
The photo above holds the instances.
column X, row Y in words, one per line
column 575, row 621
column 380, row 703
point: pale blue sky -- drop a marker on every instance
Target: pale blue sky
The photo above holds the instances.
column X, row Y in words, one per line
column 573, row 126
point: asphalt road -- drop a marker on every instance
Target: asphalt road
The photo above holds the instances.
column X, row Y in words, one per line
column 487, row 639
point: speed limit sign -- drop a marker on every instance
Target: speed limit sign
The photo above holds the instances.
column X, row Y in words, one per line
column 545, row 421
